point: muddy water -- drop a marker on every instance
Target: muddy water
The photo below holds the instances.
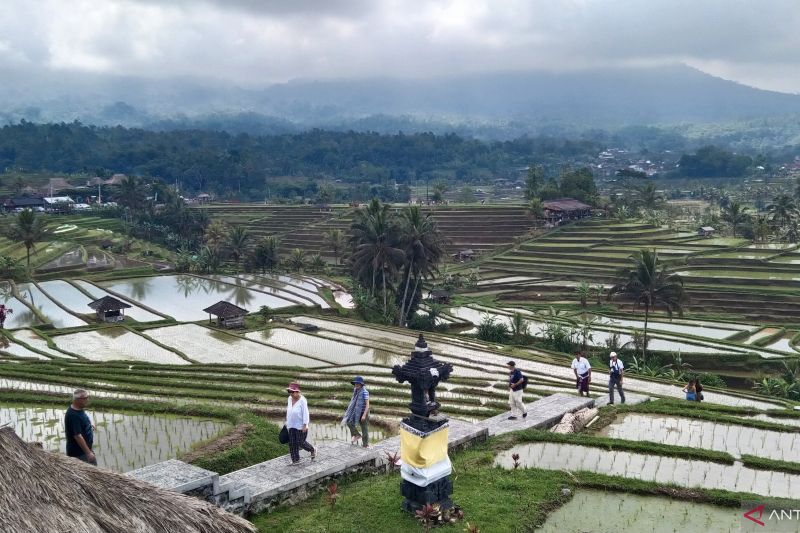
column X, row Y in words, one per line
column 123, row 442
column 692, row 433
column 597, row 511
column 660, row 469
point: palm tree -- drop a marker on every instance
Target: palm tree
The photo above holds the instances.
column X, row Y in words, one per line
column 648, row 283
column 519, row 327
column 376, row 248
column 297, row 259
column 335, row 239
column 317, row 263
column 130, row 193
column 236, row 241
column 209, row 259
column 761, row 228
column 782, row 210
column 28, row 228
column 216, row 234
column 584, row 291
column 735, row 214
column 536, row 208
column 266, row 253
column 648, row 196
column 423, row 245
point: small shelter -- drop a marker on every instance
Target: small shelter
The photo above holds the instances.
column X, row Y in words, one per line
column 45, row 492
column 464, row 255
column 109, row 309
column 439, row 296
column 706, row 231
column 228, row 315
column 564, row 209
column 37, row 204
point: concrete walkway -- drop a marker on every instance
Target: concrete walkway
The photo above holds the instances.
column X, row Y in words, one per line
column 274, row 482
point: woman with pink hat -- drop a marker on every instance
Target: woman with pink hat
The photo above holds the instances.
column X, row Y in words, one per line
column 297, row 423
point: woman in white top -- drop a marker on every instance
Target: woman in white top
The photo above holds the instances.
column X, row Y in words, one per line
column 297, row 423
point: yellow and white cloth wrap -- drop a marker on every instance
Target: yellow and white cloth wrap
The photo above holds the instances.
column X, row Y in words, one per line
column 424, row 455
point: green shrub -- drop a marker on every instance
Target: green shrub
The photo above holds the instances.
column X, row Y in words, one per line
column 490, row 330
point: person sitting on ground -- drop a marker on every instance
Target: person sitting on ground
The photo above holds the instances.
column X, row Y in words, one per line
column 615, row 372
column 516, row 386
column 583, row 374
column 297, row 420
column 79, row 429
column 358, row 413
column 691, row 391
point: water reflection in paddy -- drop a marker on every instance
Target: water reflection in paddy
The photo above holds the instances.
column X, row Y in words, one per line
column 136, row 313
column 116, row 344
column 56, row 315
column 123, row 442
column 185, row 297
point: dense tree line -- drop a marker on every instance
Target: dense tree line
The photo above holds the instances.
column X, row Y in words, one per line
column 246, row 165
column 714, row 162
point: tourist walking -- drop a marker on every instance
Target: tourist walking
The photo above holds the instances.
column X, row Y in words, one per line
column 516, row 385
column 79, row 429
column 691, row 391
column 583, row 374
column 297, row 423
column 698, row 390
column 615, row 371
column 357, row 413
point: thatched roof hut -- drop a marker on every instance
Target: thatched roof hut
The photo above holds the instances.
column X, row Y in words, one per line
column 228, row 315
column 44, row 492
column 109, row 309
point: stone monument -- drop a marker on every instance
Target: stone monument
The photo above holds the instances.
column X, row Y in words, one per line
column 426, row 466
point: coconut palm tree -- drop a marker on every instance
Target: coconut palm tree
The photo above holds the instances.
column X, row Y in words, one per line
column 209, row 259
column 648, row 284
column 735, row 214
column 584, row 291
column 130, row 193
column 336, row 240
column 216, row 234
column 782, row 210
column 377, row 254
column 236, row 242
column 297, row 259
column 28, row 229
column 423, row 245
column 761, row 228
column 266, row 253
column 647, row 196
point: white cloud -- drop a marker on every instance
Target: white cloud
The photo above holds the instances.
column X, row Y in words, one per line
column 252, row 42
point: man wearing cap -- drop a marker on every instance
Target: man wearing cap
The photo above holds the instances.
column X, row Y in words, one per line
column 358, row 413
column 297, row 420
column 79, row 429
column 516, row 384
column 616, row 369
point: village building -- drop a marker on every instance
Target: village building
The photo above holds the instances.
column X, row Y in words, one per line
column 109, row 309
column 36, row 204
column 58, row 204
column 46, row 491
column 706, row 231
column 439, row 296
column 228, row 315
column 564, row 209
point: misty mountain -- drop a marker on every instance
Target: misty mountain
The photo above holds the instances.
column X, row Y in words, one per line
column 485, row 105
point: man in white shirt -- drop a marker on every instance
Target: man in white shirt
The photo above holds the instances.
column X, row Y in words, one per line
column 615, row 371
column 583, row 374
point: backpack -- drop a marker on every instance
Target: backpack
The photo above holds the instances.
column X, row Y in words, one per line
column 524, row 382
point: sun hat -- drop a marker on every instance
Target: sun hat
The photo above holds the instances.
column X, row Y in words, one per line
column 293, row 387
column 358, row 380
column 613, row 354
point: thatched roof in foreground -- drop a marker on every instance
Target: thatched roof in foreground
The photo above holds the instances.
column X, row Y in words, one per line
column 44, row 492
column 225, row 309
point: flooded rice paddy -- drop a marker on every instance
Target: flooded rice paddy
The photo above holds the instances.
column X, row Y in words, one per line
column 185, row 297
column 52, row 312
column 693, row 433
column 32, row 339
column 660, row 469
column 116, row 344
column 135, row 312
column 598, row 511
column 205, row 345
column 123, row 442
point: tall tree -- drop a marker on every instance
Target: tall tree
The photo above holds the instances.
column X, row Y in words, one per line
column 647, row 196
column 376, row 255
column 735, row 214
column 649, row 284
column 131, row 194
column 534, row 180
column 236, row 242
column 266, row 255
column 27, row 228
column 336, row 240
column 782, row 210
column 423, row 245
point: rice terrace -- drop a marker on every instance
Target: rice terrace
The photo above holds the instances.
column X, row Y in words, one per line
column 170, row 381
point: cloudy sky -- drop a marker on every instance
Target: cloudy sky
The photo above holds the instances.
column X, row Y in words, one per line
column 258, row 42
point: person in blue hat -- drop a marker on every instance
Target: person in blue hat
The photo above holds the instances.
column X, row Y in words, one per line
column 357, row 413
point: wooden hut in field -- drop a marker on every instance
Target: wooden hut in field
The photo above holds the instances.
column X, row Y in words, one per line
column 228, row 315
column 109, row 309
column 46, row 492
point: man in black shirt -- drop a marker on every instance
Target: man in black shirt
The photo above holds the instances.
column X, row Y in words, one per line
column 79, row 429
column 516, row 384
